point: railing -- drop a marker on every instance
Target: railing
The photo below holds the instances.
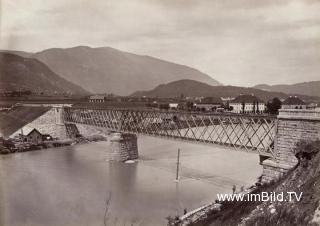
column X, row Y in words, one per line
column 249, row 132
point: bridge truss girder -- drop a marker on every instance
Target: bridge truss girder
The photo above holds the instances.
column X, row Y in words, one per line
column 249, row 132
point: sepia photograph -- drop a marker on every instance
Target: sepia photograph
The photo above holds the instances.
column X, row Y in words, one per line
column 159, row 112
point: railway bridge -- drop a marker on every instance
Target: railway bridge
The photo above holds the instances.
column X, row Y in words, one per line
column 272, row 137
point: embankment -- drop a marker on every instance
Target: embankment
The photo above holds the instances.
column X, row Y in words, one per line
column 304, row 179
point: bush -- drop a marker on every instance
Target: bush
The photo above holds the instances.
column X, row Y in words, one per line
column 305, row 150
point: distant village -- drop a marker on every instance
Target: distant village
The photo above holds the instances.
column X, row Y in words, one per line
column 242, row 104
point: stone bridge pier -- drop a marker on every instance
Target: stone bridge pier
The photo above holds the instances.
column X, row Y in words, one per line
column 292, row 126
column 123, row 147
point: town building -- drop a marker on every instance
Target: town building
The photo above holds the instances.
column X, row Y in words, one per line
column 247, row 104
column 173, row 106
column 293, row 102
column 97, row 99
column 209, row 104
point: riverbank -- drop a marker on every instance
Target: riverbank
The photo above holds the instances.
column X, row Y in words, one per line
column 304, row 179
column 12, row 146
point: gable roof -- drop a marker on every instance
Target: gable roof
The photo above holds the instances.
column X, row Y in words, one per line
column 247, row 99
column 34, row 130
column 293, row 101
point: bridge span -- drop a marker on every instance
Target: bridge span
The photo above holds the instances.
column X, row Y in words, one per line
column 274, row 138
column 247, row 132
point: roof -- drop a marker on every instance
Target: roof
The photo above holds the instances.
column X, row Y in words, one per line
column 211, row 100
column 247, row 99
column 293, row 101
column 96, row 97
column 34, row 130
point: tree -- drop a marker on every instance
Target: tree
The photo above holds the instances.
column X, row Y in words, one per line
column 190, row 105
column 274, row 106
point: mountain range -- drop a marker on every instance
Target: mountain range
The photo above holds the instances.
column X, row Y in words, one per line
column 86, row 70
column 192, row 88
column 19, row 73
column 107, row 70
column 305, row 88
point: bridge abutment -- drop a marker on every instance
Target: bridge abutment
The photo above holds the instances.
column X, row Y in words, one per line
column 124, row 147
column 292, row 126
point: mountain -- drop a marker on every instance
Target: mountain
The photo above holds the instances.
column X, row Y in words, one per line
column 16, row 52
column 107, row 70
column 305, row 88
column 192, row 88
column 18, row 73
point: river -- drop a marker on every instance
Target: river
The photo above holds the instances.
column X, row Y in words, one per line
column 77, row 185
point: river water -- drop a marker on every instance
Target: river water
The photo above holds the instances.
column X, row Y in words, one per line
column 77, row 185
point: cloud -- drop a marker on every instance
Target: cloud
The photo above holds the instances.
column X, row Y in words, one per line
column 239, row 42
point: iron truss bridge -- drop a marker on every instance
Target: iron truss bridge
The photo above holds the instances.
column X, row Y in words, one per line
column 248, row 132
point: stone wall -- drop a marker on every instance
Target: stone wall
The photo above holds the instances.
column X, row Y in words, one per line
column 50, row 122
column 292, row 127
column 123, row 147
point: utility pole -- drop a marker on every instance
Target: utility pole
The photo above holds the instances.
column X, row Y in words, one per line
column 178, row 164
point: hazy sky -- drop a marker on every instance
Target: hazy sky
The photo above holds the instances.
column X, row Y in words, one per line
column 238, row 42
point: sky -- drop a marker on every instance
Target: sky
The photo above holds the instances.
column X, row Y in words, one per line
column 237, row 42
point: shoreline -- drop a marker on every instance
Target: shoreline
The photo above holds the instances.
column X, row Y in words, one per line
column 26, row 147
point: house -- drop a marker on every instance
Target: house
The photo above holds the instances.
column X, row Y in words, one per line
column 247, row 104
column 96, row 99
column 34, row 137
column 209, row 104
column 173, row 106
column 293, row 102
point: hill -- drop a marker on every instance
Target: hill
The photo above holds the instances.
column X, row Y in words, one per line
column 196, row 89
column 107, row 70
column 305, row 88
column 19, row 73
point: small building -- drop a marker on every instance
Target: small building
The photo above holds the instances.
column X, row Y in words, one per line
column 97, row 99
column 34, row 137
column 173, row 106
column 247, row 104
column 209, row 104
column 293, row 102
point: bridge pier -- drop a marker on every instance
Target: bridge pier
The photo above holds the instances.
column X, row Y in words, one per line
column 123, row 147
column 292, row 126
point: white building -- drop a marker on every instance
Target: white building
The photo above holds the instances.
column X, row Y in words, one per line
column 247, row 104
column 173, row 105
column 293, row 103
column 96, row 99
